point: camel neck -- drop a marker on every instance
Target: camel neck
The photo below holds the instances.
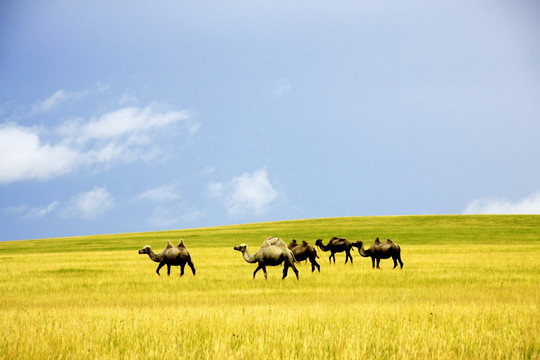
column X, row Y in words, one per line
column 248, row 257
column 324, row 247
column 362, row 251
column 155, row 257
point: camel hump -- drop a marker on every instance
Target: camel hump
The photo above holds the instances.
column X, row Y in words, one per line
column 181, row 243
column 338, row 241
column 377, row 241
column 272, row 241
column 389, row 241
column 169, row 244
column 304, row 243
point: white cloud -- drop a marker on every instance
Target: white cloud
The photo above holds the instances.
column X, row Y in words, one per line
column 90, row 204
column 125, row 135
column 528, row 205
column 245, row 194
column 125, row 121
column 24, row 156
column 161, row 193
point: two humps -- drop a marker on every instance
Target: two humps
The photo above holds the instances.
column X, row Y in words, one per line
column 171, row 256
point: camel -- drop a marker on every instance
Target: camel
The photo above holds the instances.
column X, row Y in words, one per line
column 336, row 245
column 379, row 251
column 273, row 252
column 304, row 252
column 171, row 256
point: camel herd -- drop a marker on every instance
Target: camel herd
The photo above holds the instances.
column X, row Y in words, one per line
column 274, row 251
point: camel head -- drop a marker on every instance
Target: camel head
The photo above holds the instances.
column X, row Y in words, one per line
column 319, row 242
column 242, row 247
column 145, row 250
column 357, row 244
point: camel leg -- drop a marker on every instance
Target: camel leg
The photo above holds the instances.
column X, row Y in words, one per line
column 257, row 269
column 348, row 255
column 192, row 267
column 400, row 262
column 373, row 262
column 182, row 266
column 265, row 274
column 295, row 271
column 378, row 262
column 314, row 264
column 395, row 262
column 285, row 270
column 159, row 267
column 168, row 270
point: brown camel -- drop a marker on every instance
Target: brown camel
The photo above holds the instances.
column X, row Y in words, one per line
column 304, row 252
column 336, row 245
column 379, row 251
column 171, row 256
column 273, row 252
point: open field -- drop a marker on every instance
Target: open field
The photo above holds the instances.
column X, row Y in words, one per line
column 469, row 289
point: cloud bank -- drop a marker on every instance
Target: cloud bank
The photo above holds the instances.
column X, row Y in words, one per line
column 23, row 155
column 245, row 194
column 124, row 135
column 527, row 205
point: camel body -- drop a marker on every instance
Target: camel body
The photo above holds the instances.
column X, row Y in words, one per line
column 171, row 256
column 303, row 252
column 379, row 250
column 272, row 252
column 336, row 245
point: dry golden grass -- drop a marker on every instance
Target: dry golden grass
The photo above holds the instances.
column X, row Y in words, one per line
column 450, row 301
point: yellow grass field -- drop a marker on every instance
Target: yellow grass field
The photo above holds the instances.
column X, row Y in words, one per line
column 469, row 289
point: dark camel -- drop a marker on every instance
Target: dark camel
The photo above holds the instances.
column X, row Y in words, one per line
column 379, row 251
column 336, row 245
column 171, row 256
column 304, row 252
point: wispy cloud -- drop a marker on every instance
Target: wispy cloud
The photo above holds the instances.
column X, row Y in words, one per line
column 282, row 86
column 52, row 101
column 60, row 96
column 174, row 215
column 124, row 135
column 89, row 205
column 124, row 121
column 161, row 194
column 527, row 205
column 39, row 212
column 33, row 213
column 245, row 194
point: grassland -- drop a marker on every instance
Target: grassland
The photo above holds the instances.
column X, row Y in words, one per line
column 470, row 289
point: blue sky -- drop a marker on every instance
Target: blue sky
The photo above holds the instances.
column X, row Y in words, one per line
column 139, row 116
